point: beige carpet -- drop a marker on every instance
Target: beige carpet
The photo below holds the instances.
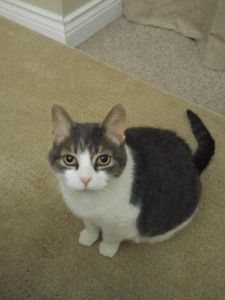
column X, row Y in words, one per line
column 40, row 257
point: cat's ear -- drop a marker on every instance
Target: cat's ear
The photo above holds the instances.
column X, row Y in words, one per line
column 62, row 123
column 114, row 124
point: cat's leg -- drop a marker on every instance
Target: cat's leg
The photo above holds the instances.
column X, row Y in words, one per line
column 89, row 234
column 110, row 244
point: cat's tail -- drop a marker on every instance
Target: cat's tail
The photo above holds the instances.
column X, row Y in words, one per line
column 206, row 144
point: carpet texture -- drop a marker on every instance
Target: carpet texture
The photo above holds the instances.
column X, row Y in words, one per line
column 203, row 21
column 40, row 257
column 161, row 57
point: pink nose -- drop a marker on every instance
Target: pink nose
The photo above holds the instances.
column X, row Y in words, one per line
column 85, row 181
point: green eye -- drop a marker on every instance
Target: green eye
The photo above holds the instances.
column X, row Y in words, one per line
column 103, row 160
column 70, row 160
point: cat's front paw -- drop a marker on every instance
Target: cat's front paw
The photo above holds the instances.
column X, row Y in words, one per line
column 87, row 238
column 108, row 249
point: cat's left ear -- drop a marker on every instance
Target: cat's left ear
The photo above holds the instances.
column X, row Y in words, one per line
column 114, row 124
column 62, row 123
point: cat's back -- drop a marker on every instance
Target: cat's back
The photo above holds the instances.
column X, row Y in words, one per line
column 163, row 161
column 148, row 141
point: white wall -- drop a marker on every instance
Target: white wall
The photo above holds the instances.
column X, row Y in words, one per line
column 54, row 6
column 60, row 7
column 71, row 5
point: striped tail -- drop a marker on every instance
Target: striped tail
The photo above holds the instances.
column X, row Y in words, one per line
column 206, row 144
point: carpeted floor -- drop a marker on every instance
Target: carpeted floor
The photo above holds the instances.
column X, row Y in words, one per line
column 40, row 257
column 162, row 57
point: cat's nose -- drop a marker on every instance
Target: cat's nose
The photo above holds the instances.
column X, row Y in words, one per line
column 85, row 181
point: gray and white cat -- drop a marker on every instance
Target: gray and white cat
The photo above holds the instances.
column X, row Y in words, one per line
column 139, row 184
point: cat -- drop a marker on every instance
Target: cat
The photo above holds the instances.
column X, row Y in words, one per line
column 139, row 184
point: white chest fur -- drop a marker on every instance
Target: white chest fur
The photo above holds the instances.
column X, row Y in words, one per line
column 107, row 208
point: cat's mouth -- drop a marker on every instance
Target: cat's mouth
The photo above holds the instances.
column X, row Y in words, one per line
column 89, row 189
column 84, row 189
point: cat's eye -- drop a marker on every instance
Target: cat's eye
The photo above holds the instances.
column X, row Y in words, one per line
column 103, row 160
column 70, row 160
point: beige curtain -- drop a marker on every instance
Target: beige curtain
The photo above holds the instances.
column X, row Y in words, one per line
column 202, row 20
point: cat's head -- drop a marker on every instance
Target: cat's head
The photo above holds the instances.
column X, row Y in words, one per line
column 86, row 156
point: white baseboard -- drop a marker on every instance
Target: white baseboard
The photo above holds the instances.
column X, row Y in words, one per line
column 91, row 18
column 73, row 29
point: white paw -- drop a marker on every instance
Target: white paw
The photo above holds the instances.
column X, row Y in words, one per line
column 87, row 238
column 136, row 240
column 107, row 249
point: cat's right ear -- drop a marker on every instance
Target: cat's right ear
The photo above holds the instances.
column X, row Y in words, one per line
column 62, row 123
